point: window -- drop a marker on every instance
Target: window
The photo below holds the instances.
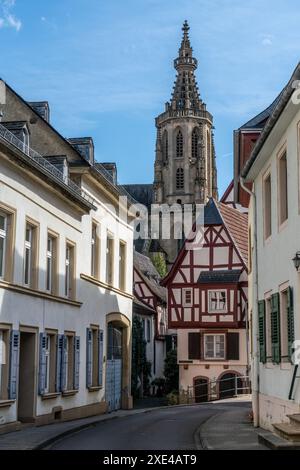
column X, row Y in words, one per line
column 217, row 301
column 148, row 331
column 109, row 259
column 282, row 188
column 48, row 350
column 95, row 250
column 95, row 357
column 70, row 272
column 179, row 178
column 179, row 144
column 30, row 255
column 3, row 243
column 51, row 273
column 195, row 140
column 194, row 345
column 165, row 146
column 122, row 266
column 4, row 356
column 214, row 346
column 267, row 209
column 187, row 297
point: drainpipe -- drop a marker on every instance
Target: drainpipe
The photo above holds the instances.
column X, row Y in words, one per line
column 255, row 363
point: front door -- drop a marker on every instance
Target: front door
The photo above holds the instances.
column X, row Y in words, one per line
column 201, row 390
column 114, row 368
column 26, row 392
column 229, row 385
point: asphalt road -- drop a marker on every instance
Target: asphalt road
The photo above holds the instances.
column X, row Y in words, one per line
column 162, row 429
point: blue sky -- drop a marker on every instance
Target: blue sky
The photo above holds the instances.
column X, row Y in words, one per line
column 106, row 66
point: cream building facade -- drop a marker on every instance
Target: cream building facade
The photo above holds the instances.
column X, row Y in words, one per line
column 66, row 250
column 274, row 289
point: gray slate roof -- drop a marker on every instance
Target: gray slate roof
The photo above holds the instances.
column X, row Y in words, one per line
column 142, row 193
column 211, row 277
column 147, row 270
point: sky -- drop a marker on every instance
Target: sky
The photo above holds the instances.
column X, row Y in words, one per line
column 106, row 67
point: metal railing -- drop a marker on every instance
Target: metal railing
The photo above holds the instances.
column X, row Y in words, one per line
column 43, row 163
column 219, row 389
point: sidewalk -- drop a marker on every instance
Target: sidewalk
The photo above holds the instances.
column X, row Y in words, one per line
column 230, row 430
column 33, row 437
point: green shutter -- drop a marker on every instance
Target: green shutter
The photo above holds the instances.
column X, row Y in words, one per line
column 275, row 328
column 290, row 321
column 262, row 331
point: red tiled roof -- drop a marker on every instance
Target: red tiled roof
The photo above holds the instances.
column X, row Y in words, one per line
column 237, row 225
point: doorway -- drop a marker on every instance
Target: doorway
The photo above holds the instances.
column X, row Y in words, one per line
column 114, row 368
column 201, row 389
column 27, row 368
column 229, row 385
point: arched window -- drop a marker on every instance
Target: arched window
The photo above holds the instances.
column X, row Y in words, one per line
column 179, row 144
column 179, row 178
column 165, row 146
column 195, row 141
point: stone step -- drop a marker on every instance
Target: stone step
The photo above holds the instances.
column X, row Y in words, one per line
column 295, row 419
column 288, row 431
column 274, row 442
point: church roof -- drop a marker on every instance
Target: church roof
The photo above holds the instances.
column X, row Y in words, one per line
column 142, row 193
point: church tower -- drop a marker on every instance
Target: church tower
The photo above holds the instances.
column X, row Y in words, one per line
column 185, row 162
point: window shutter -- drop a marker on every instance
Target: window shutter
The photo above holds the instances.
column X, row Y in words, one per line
column 14, row 364
column 59, row 347
column 100, row 359
column 64, row 362
column 42, row 363
column 233, row 346
column 275, row 328
column 290, row 320
column 262, row 330
column 76, row 362
column 89, row 346
column 194, row 346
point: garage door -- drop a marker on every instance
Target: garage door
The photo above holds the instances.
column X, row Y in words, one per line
column 114, row 369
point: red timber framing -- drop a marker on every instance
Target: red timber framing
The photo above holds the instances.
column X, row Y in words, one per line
column 219, row 265
column 146, row 295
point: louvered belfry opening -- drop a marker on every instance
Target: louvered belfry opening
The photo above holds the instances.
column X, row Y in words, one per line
column 179, row 178
column 195, row 140
column 179, row 144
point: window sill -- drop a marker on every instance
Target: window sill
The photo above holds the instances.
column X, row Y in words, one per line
column 95, row 389
column 6, row 403
column 49, row 396
column 69, row 393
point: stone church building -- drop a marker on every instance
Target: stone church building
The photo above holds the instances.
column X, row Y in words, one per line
column 185, row 162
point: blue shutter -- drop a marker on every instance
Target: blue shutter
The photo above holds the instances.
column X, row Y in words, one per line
column 14, row 364
column 64, row 361
column 59, row 346
column 89, row 355
column 100, row 357
column 76, row 362
column 42, row 363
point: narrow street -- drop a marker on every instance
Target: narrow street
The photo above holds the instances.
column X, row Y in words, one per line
column 171, row 428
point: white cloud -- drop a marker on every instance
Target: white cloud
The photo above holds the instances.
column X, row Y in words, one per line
column 267, row 40
column 8, row 18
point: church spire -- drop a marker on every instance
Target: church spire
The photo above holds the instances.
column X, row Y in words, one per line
column 185, row 93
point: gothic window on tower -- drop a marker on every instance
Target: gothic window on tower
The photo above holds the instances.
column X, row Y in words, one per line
column 165, row 145
column 179, row 178
column 179, row 144
column 195, row 140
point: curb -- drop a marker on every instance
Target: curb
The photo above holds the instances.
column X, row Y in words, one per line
column 200, row 440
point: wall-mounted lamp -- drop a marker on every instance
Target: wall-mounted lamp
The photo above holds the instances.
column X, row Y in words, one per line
column 296, row 260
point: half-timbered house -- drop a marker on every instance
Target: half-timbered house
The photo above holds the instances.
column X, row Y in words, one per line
column 207, row 303
column 153, row 297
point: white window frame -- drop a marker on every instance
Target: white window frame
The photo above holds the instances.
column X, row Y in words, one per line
column 218, row 301
column 49, row 267
column 28, row 249
column 184, row 302
column 215, row 343
column 3, row 236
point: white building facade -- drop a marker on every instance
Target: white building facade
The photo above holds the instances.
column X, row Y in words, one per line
column 65, row 277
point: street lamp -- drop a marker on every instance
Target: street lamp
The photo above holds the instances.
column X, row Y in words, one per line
column 296, row 260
